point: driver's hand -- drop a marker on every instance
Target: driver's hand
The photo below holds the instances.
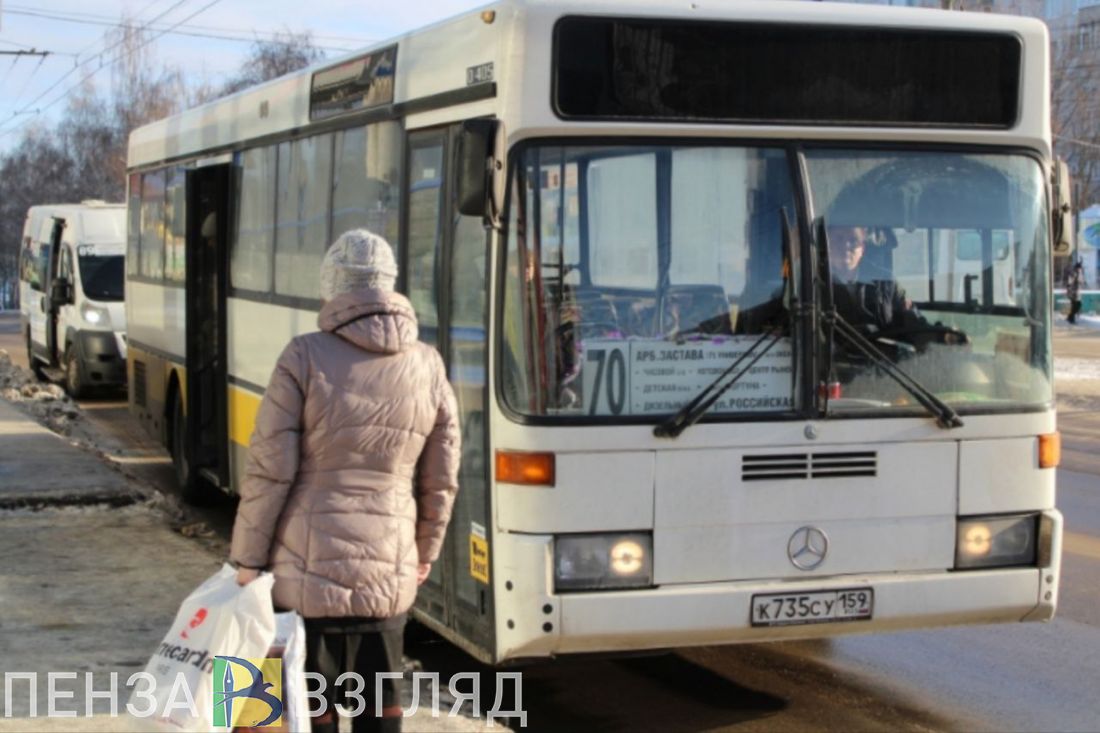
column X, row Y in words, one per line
column 953, row 338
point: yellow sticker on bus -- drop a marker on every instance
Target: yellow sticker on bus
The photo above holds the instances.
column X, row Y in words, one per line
column 479, row 558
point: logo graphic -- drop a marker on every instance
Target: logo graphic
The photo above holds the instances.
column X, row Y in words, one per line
column 261, row 701
column 196, row 620
column 807, row 548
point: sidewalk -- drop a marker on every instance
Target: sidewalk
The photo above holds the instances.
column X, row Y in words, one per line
column 91, row 574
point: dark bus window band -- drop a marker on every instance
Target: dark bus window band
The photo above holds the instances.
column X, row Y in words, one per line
column 784, row 73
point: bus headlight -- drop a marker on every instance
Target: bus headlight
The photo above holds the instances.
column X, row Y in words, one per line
column 604, row 561
column 988, row 542
column 94, row 315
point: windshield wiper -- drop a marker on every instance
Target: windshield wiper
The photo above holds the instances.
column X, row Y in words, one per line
column 690, row 413
column 835, row 325
column 945, row 417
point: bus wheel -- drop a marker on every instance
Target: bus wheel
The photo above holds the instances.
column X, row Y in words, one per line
column 74, row 374
column 192, row 488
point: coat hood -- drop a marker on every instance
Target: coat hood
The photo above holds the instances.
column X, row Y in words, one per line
column 374, row 320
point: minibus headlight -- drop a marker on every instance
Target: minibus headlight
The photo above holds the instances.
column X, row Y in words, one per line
column 988, row 542
column 94, row 315
column 604, row 561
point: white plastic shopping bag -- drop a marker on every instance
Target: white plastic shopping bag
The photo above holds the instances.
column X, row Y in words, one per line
column 219, row 619
column 290, row 645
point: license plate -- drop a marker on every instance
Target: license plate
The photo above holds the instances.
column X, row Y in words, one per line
column 815, row 607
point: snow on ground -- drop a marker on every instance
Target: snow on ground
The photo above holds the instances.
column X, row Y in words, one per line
column 1070, row 369
column 1083, row 321
column 47, row 403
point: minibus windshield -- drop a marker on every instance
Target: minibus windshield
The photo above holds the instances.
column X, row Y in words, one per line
column 102, row 276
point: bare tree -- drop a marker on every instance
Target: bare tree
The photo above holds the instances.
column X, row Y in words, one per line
column 85, row 155
column 267, row 60
column 94, row 141
column 1075, row 116
column 142, row 91
column 36, row 171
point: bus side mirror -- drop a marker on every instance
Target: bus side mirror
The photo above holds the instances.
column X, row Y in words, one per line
column 1062, row 209
column 475, row 145
column 61, row 292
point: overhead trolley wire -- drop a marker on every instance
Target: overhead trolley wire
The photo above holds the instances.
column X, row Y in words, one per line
column 115, row 45
column 247, row 35
column 100, row 55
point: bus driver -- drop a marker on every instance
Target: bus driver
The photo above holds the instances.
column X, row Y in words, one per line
column 867, row 298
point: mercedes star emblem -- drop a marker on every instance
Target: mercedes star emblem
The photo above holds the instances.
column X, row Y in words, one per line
column 807, row 548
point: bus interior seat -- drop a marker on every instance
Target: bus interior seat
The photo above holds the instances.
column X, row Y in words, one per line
column 699, row 308
column 637, row 313
column 596, row 314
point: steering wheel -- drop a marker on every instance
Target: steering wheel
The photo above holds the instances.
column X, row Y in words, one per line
column 921, row 335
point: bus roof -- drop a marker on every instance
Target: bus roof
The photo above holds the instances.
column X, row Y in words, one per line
column 439, row 65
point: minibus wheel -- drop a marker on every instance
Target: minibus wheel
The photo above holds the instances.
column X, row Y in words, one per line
column 74, row 374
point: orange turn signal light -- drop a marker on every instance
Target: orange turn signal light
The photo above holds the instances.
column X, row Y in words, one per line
column 1050, row 450
column 529, row 469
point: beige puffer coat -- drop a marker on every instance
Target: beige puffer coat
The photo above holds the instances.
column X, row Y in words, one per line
column 353, row 465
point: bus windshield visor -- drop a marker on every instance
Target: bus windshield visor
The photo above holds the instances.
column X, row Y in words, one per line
column 635, row 275
column 102, row 277
column 942, row 262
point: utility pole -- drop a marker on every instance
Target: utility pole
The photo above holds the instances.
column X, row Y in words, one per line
column 31, row 52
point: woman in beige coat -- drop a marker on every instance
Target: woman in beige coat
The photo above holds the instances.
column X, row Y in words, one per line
column 352, row 474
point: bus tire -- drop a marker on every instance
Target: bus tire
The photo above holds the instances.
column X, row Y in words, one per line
column 75, row 383
column 192, row 488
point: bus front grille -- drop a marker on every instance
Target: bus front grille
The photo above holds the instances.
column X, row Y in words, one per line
column 788, row 466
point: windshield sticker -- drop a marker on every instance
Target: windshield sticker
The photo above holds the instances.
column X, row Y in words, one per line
column 658, row 377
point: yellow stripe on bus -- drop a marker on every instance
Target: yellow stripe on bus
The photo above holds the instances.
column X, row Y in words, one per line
column 243, row 406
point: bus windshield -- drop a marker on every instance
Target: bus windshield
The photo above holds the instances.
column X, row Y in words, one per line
column 941, row 261
column 635, row 274
column 102, row 277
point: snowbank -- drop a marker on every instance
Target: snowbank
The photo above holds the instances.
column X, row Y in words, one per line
column 47, row 403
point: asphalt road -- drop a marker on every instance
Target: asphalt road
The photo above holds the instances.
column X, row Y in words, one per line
column 1016, row 677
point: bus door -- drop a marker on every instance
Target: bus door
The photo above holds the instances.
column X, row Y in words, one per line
column 54, row 297
column 208, row 190
column 38, row 313
column 446, row 278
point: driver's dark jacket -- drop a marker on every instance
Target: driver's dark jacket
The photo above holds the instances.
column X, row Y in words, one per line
column 879, row 304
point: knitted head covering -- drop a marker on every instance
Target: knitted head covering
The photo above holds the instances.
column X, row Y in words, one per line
column 358, row 260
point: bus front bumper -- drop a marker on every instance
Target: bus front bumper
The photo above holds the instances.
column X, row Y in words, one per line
column 536, row 622
column 720, row 613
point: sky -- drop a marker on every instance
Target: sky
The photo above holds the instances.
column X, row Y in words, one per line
column 72, row 31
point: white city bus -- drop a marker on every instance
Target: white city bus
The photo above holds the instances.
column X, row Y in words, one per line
column 613, row 219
